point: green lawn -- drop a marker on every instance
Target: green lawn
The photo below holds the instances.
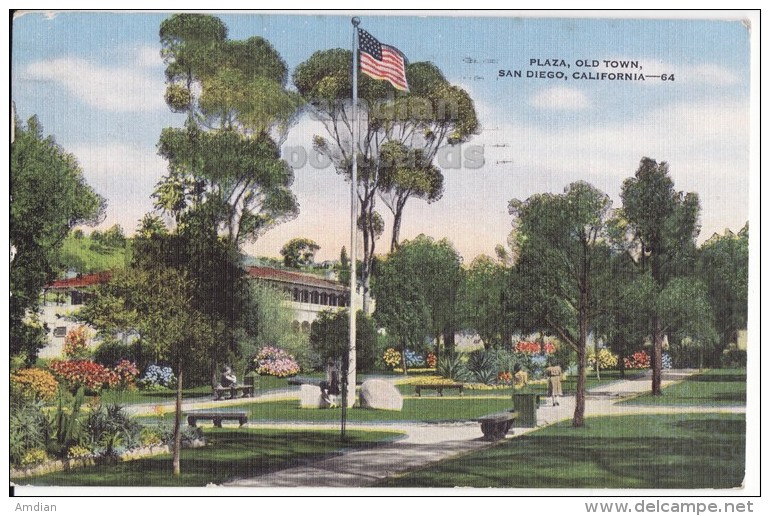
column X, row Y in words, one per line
column 231, row 454
column 415, row 409
column 715, row 387
column 265, row 383
column 683, row 451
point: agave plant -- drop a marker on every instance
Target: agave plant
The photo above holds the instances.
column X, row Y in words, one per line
column 452, row 367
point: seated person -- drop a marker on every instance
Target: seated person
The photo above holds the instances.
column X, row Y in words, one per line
column 228, row 378
column 330, row 388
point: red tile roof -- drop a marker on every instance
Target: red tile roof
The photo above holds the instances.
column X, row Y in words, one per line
column 266, row 273
column 80, row 281
column 292, row 277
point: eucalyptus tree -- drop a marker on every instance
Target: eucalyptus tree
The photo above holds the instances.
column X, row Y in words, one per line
column 415, row 124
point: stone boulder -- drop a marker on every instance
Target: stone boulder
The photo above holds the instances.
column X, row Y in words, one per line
column 310, row 397
column 381, row 395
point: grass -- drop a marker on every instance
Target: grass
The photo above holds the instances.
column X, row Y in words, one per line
column 431, row 409
column 715, row 387
column 231, row 454
column 78, row 254
column 684, row 451
column 265, row 383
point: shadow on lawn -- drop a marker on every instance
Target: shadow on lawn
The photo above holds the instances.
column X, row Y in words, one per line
column 730, row 377
column 697, row 453
column 229, row 454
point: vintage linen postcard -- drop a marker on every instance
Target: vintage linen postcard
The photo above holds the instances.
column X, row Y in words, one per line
column 541, row 220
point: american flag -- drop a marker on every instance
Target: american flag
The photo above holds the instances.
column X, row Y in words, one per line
column 382, row 62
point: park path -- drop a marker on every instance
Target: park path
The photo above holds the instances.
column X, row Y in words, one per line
column 425, row 443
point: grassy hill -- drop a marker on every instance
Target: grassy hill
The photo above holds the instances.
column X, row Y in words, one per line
column 84, row 255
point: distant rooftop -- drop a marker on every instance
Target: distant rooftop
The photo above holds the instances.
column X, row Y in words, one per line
column 293, row 277
column 82, row 280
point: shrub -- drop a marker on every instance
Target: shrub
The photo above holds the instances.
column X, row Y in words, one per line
column 78, row 452
column 274, row 361
column 85, row 373
column 110, row 352
column 38, row 382
column 639, row 360
column 607, row 359
column 34, row 456
column 76, row 343
column 483, row 367
column 127, row 373
column 732, row 357
column 109, row 429
column 413, row 359
column 67, row 419
column 392, row 357
column 157, row 377
column 28, row 427
column 451, row 366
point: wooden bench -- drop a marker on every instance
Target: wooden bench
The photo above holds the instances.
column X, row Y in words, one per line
column 438, row 387
column 246, row 391
column 495, row 426
column 217, row 416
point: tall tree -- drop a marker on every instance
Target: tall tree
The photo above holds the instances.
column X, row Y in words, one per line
column 562, row 257
column 417, row 289
column 431, row 115
column 156, row 304
column 405, row 174
column 723, row 265
column 660, row 225
column 237, row 105
column 49, row 196
column 298, row 252
column 483, row 300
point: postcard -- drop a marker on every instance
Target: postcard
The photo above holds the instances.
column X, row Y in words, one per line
column 253, row 251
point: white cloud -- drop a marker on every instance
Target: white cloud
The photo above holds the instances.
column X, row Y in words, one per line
column 115, row 89
column 560, row 98
column 147, row 56
column 125, row 175
column 706, row 146
column 712, row 74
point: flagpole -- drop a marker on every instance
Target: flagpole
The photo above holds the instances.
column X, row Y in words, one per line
column 351, row 383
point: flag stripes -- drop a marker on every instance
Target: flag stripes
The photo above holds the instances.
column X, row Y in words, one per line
column 382, row 62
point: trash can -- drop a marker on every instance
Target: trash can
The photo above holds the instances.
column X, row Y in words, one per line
column 526, row 403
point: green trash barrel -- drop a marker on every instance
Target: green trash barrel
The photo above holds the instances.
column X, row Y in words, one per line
column 526, row 403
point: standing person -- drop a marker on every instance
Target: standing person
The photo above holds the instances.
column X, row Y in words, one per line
column 553, row 373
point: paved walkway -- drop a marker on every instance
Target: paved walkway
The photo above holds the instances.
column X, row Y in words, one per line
column 425, row 443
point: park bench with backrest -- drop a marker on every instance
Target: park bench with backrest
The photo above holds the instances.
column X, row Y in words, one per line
column 217, row 416
column 495, row 426
column 438, row 387
column 245, row 391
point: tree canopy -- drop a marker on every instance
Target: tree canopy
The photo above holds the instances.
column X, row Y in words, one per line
column 298, row 252
column 658, row 226
column 400, row 134
column 49, row 196
column 561, row 242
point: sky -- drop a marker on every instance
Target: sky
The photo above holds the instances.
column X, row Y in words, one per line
column 95, row 80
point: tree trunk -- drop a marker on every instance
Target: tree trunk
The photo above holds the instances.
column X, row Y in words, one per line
column 403, row 357
column 657, row 356
column 178, row 426
column 396, row 230
column 578, row 419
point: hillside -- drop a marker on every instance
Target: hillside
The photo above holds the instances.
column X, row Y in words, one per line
column 83, row 255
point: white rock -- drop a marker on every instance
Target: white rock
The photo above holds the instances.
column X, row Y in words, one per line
column 381, row 395
column 310, row 396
